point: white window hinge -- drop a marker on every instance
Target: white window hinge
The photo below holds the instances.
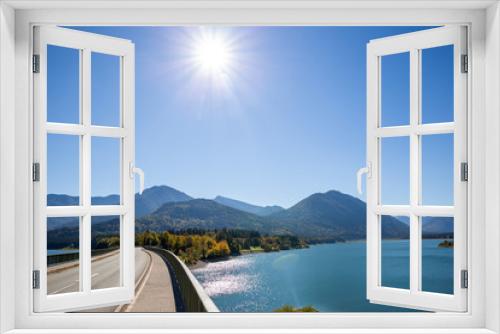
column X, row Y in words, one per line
column 465, row 64
column 36, row 172
column 36, row 63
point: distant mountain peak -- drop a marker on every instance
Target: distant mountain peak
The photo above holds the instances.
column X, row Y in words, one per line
column 247, row 207
column 203, row 214
column 334, row 214
column 152, row 198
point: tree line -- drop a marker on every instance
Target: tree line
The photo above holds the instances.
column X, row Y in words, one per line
column 192, row 245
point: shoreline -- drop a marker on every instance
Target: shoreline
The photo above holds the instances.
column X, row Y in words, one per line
column 203, row 263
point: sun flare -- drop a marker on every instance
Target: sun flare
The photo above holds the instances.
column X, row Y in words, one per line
column 213, row 54
column 213, row 60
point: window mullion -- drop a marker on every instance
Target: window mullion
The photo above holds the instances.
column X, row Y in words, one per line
column 415, row 249
column 85, row 239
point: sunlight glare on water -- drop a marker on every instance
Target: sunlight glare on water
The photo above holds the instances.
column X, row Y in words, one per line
column 329, row 277
column 225, row 277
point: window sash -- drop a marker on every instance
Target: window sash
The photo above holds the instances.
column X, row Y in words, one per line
column 86, row 43
column 413, row 43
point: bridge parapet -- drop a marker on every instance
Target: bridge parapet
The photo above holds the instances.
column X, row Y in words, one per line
column 194, row 297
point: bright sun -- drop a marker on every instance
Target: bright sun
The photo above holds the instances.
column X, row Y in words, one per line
column 213, row 54
column 213, row 59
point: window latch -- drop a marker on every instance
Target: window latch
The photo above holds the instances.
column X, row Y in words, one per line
column 365, row 170
column 136, row 170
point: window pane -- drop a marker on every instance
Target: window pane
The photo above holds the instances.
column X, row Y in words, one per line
column 437, row 254
column 106, row 171
column 395, row 252
column 437, row 169
column 63, row 170
column 63, row 84
column 437, row 84
column 105, row 267
column 63, row 267
column 105, row 89
column 395, row 89
column 395, row 170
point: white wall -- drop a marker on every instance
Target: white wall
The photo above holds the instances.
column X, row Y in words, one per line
column 492, row 197
column 7, row 148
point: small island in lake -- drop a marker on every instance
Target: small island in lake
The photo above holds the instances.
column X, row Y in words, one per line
column 446, row 244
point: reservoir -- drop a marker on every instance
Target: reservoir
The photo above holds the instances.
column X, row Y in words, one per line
column 329, row 277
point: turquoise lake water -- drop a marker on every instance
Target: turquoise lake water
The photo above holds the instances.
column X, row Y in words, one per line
column 61, row 251
column 330, row 277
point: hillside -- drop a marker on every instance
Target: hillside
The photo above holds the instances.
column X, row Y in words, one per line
column 203, row 214
column 329, row 216
column 320, row 217
column 433, row 225
column 69, row 234
column 437, row 225
column 250, row 208
column 152, row 198
column 334, row 215
column 66, row 200
column 146, row 203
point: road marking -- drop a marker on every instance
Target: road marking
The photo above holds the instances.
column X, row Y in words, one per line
column 62, row 289
column 139, row 286
column 70, row 285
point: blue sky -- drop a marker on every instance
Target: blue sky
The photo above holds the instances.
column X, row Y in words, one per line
column 288, row 120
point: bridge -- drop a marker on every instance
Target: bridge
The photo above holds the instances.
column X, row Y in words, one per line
column 163, row 282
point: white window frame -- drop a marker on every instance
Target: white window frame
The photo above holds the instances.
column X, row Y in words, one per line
column 85, row 43
column 16, row 20
column 413, row 44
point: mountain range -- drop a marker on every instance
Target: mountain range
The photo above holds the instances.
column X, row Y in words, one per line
column 432, row 225
column 323, row 216
column 255, row 209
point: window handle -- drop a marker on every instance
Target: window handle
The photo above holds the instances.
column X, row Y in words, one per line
column 365, row 170
column 136, row 170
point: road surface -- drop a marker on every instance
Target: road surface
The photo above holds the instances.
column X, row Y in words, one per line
column 105, row 273
column 157, row 294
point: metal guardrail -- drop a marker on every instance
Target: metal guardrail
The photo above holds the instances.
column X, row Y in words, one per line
column 194, row 297
column 68, row 257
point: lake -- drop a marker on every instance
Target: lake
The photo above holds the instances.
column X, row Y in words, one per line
column 330, row 277
column 61, row 251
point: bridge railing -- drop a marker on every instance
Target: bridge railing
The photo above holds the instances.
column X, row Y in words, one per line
column 73, row 256
column 194, row 297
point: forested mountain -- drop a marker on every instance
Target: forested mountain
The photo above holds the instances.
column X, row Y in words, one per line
column 145, row 203
column 204, row 214
column 334, row 215
column 433, row 225
column 255, row 209
column 323, row 216
column 326, row 216
column 66, row 200
column 152, row 198
column 437, row 225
